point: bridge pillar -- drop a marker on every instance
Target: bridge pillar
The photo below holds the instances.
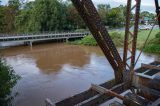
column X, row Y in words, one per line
column 30, row 43
column 67, row 39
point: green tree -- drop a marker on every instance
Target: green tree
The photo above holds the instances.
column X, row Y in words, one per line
column 24, row 18
column 9, row 13
column 103, row 10
column 8, row 79
column 1, row 18
column 147, row 14
column 74, row 21
column 115, row 17
column 47, row 16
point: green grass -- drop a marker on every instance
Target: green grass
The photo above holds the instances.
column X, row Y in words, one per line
column 87, row 40
column 142, row 35
column 153, row 46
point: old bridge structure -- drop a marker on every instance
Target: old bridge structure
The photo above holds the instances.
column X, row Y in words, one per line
column 30, row 38
column 126, row 76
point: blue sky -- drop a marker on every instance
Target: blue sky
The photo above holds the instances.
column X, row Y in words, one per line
column 147, row 5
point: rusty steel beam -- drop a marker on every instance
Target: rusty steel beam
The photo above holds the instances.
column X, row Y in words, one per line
column 150, row 66
column 92, row 97
column 130, row 40
column 84, row 95
column 90, row 16
column 136, row 27
column 127, row 32
column 103, row 90
column 157, row 11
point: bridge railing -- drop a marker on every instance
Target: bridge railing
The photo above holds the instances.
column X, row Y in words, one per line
column 42, row 33
column 43, row 36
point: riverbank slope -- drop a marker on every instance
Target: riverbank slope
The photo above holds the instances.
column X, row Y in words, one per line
column 153, row 45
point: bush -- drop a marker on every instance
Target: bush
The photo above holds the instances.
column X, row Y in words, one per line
column 154, row 45
column 117, row 38
column 152, row 48
column 158, row 35
column 90, row 41
column 8, row 79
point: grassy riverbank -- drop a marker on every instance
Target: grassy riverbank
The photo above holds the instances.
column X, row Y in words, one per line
column 153, row 45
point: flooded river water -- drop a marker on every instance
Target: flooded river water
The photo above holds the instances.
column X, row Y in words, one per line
column 58, row 71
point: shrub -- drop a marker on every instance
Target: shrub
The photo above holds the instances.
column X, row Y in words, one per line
column 117, row 38
column 158, row 35
column 89, row 40
column 8, row 79
column 154, row 45
column 152, row 48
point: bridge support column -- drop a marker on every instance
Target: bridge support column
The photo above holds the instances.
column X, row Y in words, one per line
column 67, row 39
column 30, row 43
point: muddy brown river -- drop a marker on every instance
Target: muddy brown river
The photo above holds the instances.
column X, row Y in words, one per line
column 58, row 71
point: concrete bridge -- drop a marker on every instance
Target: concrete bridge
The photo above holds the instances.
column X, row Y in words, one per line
column 30, row 38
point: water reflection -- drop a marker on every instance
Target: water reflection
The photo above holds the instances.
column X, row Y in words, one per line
column 57, row 71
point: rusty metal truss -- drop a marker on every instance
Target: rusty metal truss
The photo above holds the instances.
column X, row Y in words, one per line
column 130, row 40
column 157, row 11
column 90, row 16
column 123, row 69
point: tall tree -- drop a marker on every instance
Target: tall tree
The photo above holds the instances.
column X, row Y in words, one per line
column 10, row 12
column 2, row 19
column 73, row 19
column 103, row 10
column 47, row 15
column 115, row 17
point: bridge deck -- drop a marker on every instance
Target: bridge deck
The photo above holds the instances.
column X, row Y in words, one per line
column 37, row 37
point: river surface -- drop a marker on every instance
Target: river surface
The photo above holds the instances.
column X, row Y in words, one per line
column 58, row 71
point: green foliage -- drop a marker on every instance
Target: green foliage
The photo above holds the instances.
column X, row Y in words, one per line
column 158, row 35
column 73, row 19
column 89, row 40
column 115, row 17
column 147, row 14
column 154, row 45
column 48, row 15
column 1, row 18
column 8, row 79
column 152, row 48
column 112, row 17
column 103, row 10
column 54, row 15
column 117, row 38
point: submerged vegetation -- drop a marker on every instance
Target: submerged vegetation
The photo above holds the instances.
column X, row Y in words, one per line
column 8, row 79
column 153, row 45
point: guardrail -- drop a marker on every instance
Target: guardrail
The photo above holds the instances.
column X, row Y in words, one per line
column 42, row 36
